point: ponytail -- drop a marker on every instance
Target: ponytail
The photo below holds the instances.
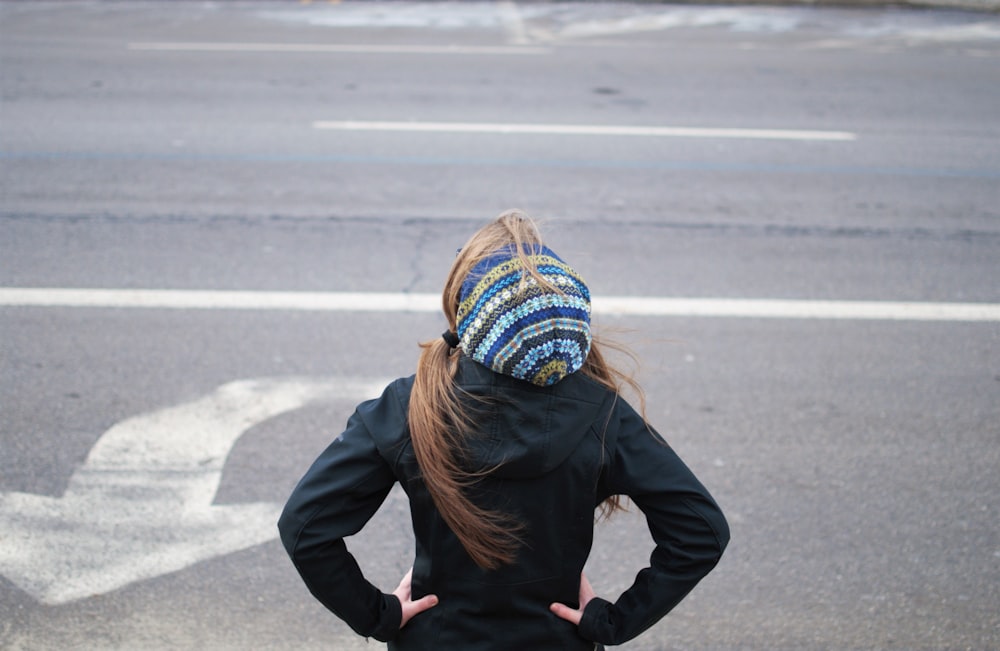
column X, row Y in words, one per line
column 437, row 425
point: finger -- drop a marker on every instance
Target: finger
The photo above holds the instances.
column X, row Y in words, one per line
column 424, row 603
column 413, row 608
column 565, row 612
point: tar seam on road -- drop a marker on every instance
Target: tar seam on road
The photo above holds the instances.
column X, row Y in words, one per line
column 469, row 161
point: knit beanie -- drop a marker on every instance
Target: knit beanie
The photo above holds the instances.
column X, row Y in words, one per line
column 536, row 334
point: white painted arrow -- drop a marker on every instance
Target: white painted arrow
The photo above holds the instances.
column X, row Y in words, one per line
column 141, row 505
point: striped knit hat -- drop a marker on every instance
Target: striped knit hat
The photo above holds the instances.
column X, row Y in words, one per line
column 537, row 334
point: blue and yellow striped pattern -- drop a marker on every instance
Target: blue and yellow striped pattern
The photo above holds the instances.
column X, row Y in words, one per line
column 529, row 331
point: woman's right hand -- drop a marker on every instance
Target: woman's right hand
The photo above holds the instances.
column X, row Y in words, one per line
column 575, row 614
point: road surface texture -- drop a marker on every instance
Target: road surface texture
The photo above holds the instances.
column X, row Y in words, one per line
column 223, row 224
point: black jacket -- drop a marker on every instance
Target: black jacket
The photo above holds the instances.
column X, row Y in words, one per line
column 561, row 450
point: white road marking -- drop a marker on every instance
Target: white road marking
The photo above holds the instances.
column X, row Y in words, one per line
column 141, row 504
column 587, row 130
column 798, row 309
column 416, row 302
column 513, row 22
column 580, row 26
column 220, row 300
column 338, row 48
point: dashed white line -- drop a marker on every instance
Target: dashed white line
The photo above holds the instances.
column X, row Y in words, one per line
column 338, row 48
column 587, row 130
column 422, row 302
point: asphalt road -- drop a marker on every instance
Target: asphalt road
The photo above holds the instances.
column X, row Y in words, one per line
column 768, row 153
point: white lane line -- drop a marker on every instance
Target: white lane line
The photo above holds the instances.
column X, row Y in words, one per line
column 395, row 302
column 339, row 48
column 797, row 309
column 587, row 130
column 220, row 300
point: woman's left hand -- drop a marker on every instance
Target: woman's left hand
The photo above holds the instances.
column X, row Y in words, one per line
column 412, row 608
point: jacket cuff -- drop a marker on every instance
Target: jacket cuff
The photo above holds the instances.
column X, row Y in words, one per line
column 596, row 624
column 389, row 619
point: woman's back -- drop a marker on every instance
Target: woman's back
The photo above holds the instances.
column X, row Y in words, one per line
column 543, row 446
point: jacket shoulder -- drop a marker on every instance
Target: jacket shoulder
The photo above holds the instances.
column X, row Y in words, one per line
column 385, row 417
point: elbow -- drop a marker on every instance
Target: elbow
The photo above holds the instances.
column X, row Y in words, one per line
column 723, row 537
column 704, row 539
column 721, row 534
column 288, row 531
column 709, row 534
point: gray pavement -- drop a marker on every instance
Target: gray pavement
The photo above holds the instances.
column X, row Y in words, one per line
column 837, row 154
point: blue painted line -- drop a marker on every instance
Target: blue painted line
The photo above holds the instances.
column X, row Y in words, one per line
column 446, row 161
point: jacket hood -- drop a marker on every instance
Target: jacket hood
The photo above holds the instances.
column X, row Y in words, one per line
column 524, row 430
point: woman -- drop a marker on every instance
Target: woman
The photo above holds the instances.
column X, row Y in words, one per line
column 509, row 435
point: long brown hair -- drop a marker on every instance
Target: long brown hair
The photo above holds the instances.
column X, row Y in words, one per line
column 438, row 422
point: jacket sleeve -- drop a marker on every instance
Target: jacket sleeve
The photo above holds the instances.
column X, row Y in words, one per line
column 339, row 494
column 688, row 529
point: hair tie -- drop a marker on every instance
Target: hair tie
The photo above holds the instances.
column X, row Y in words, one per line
column 450, row 338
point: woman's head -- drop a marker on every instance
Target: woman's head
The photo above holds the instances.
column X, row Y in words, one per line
column 516, row 307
